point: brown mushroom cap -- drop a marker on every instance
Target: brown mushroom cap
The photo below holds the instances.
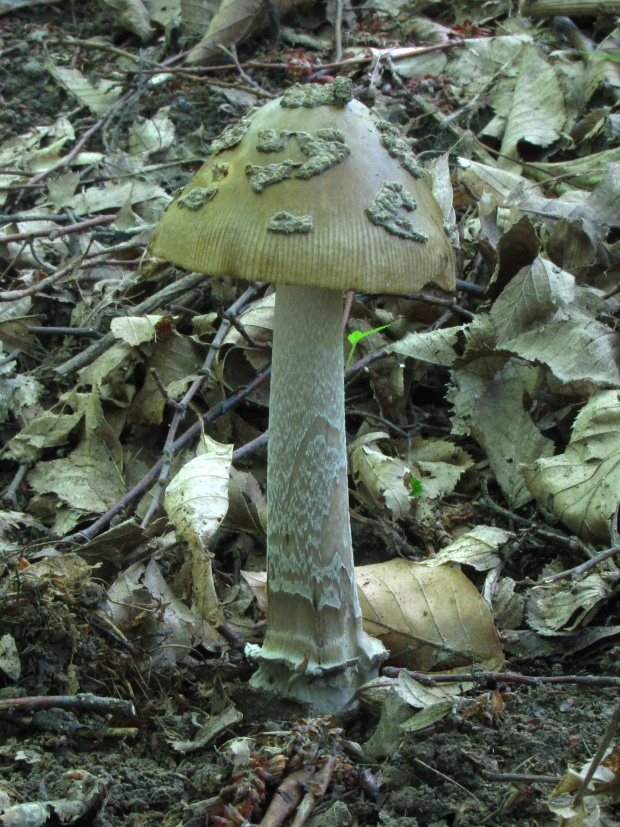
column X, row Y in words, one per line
column 316, row 195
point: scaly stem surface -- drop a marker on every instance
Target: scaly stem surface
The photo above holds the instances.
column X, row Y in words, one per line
column 315, row 648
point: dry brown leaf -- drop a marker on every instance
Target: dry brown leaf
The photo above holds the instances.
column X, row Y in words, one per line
column 234, row 21
column 406, row 605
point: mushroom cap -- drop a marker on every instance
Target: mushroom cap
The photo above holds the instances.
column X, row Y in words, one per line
column 316, row 195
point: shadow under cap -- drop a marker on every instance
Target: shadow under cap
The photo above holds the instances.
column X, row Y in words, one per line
column 220, row 225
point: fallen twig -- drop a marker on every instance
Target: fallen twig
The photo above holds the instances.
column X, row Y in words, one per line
column 181, row 407
column 59, row 231
column 146, row 481
column 157, row 300
column 85, row 701
column 482, row 677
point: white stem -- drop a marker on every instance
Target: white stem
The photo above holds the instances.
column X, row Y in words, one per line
column 315, row 648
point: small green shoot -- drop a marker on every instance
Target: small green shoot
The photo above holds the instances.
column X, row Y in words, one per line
column 356, row 337
column 417, row 489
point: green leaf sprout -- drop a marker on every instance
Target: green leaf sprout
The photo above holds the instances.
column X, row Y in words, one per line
column 356, row 337
column 417, row 489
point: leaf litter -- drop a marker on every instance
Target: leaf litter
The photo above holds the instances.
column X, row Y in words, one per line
column 483, row 429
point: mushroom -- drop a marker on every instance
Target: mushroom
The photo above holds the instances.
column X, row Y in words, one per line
column 315, row 194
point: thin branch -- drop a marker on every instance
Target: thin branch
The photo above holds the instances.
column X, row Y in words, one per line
column 482, row 677
column 87, row 332
column 59, row 231
column 141, row 487
column 159, row 299
column 181, row 407
column 14, row 295
column 79, row 145
column 608, row 735
column 90, row 703
column 579, row 570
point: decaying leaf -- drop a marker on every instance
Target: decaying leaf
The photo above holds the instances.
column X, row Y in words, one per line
column 535, row 112
column 143, row 605
column 559, row 607
column 131, row 15
column 214, row 725
column 98, row 97
column 234, row 21
column 98, row 456
column 581, row 486
column 151, row 134
column 409, row 607
column 136, row 329
column 47, row 430
column 85, row 794
column 595, row 808
column 477, row 548
column 175, row 359
column 196, row 502
column 381, row 480
column 10, row 664
column 437, row 464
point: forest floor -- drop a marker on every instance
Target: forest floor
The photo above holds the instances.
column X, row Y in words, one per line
column 185, row 740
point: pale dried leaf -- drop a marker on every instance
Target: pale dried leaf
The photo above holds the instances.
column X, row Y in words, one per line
column 195, row 17
column 136, row 329
column 487, row 57
column 99, row 456
column 428, row 716
column 151, row 134
column 215, row 725
column 381, row 480
column 247, row 510
column 436, row 347
column 421, row 605
column 257, row 581
column 115, row 195
column 421, row 697
column 556, row 607
column 257, row 322
column 581, row 351
column 581, row 486
column 477, row 548
column 494, row 413
column 174, row 358
column 533, row 295
column 537, row 112
column 97, row 373
column 484, row 179
column 196, row 500
column 10, row 664
column 234, row 21
column 586, row 172
column 508, row 605
column 131, row 15
column 388, row 734
column 62, row 570
column 72, row 478
column 438, row 464
column 506, row 431
column 97, row 97
column 167, row 627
